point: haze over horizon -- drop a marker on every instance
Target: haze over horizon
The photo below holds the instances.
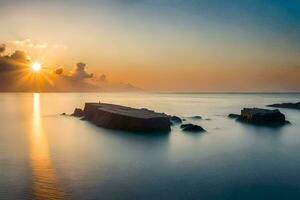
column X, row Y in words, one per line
column 201, row 46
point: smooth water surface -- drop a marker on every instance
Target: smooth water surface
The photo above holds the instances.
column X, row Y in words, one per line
column 44, row 155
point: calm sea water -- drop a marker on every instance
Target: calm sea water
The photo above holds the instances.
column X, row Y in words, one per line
column 44, row 155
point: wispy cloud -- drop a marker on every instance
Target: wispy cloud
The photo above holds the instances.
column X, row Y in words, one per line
column 30, row 44
column 35, row 45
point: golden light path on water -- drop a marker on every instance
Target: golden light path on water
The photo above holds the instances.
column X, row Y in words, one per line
column 45, row 182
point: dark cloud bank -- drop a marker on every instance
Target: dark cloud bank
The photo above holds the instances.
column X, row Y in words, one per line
column 16, row 76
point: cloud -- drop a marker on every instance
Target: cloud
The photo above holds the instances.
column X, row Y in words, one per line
column 59, row 70
column 80, row 72
column 29, row 43
column 15, row 61
column 16, row 76
column 12, row 68
column 20, row 56
column 59, row 46
column 103, row 78
column 2, row 48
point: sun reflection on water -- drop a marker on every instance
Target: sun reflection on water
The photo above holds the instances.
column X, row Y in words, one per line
column 45, row 182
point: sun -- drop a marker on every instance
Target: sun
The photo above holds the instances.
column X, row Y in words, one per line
column 36, row 67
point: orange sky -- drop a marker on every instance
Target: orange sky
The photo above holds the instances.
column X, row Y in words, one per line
column 156, row 47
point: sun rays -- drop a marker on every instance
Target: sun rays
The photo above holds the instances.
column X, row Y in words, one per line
column 35, row 76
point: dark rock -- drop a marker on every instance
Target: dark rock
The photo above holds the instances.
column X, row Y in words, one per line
column 63, row 113
column 146, row 109
column 234, row 116
column 185, row 125
column 175, row 120
column 83, row 119
column 196, row 117
column 286, row 105
column 263, row 117
column 78, row 112
column 126, row 118
column 192, row 128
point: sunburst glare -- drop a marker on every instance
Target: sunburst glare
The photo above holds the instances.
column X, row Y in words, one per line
column 36, row 67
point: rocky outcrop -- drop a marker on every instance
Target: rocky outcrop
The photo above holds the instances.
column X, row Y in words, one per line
column 192, row 128
column 175, row 120
column 286, row 105
column 78, row 112
column 258, row 116
column 125, row 118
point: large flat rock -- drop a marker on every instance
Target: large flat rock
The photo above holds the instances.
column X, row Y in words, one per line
column 126, row 118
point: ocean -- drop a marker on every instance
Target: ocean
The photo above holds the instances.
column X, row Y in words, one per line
column 44, row 155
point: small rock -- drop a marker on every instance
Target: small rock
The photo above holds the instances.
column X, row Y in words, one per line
column 196, row 117
column 175, row 119
column 78, row 112
column 192, row 128
column 234, row 116
column 63, row 113
column 185, row 125
column 84, row 118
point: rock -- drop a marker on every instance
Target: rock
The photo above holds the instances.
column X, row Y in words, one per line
column 83, row 119
column 78, row 112
column 186, row 125
column 63, row 113
column 175, row 120
column 263, row 117
column 192, row 128
column 146, row 109
column 286, row 105
column 234, row 116
column 125, row 118
column 196, row 117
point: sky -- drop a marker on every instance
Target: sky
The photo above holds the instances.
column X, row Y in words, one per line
column 164, row 45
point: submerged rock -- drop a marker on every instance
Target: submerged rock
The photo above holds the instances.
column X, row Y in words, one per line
column 264, row 117
column 175, row 120
column 234, row 116
column 192, row 128
column 196, row 117
column 286, row 105
column 83, row 119
column 78, row 112
column 186, row 125
column 125, row 118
